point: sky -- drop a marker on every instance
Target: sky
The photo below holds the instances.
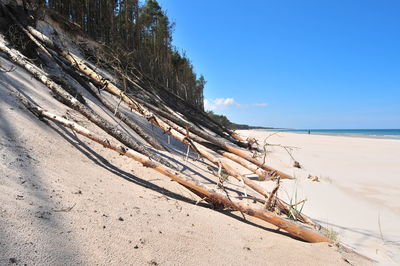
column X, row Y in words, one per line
column 295, row 64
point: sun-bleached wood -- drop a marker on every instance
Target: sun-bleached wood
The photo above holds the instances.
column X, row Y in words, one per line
column 211, row 195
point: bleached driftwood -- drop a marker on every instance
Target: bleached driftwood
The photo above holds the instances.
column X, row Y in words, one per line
column 201, row 190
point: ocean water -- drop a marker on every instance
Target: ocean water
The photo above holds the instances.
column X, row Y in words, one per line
column 373, row 133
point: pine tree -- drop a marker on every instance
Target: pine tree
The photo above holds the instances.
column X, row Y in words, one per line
column 144, row 33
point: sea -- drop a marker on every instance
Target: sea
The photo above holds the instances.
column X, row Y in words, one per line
column 372, row 133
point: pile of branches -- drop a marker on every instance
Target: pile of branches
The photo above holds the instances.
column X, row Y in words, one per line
column 190, row 126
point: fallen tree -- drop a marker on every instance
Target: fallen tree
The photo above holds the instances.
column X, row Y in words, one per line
column 177, row 132
column 201, row 190
column 183, row 130
column 125, row 119
column 76, row 105
column 143, row 110
column 184, row 139
column 109, row 86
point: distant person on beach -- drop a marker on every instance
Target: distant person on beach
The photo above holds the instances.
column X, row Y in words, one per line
column 309, row 132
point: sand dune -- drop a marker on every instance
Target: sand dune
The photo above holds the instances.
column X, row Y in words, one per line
column 68, row 201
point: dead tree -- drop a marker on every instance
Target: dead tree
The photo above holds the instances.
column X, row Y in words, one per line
column 84, row 110
column 185, row 139
column 201, row 190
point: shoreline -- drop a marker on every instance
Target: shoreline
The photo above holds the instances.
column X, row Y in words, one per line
column 326, row 134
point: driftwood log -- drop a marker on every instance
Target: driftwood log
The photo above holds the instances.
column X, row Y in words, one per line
column 209, row 194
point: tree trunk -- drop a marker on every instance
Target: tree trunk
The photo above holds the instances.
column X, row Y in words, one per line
column 148, row 138
column 201, row 190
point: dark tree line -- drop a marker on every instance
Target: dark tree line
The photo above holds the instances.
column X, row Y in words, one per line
column 144, row 33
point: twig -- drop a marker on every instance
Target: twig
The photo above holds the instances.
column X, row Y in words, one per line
column 302, row 201
column 219, row 169
column 221, row 186
column 265, row 146
column 117, row 107
column 270, row 135
column 267, row 205
column 200, row 200
column 380, row 229
column 250, row 197
column 188, row 146
column 187, row 154
column 65, row 209
column 288, row 149
column 244, row 186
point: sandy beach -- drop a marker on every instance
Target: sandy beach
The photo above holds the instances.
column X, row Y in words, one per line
column 358, row 195
column 111, row 152
column 66, row 200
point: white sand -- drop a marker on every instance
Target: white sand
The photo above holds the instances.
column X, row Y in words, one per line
column 359, row 192
column 61, row 198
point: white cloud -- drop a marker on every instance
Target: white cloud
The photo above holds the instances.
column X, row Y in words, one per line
column 260, row 104
column 222, row 103
column 219, row 103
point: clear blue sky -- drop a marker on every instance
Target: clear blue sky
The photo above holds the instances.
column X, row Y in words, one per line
column 297, row 64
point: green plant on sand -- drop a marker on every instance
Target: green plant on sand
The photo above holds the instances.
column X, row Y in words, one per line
column 295, row 206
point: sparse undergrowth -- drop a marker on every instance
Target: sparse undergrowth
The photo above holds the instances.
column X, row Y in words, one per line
column 332, row 234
